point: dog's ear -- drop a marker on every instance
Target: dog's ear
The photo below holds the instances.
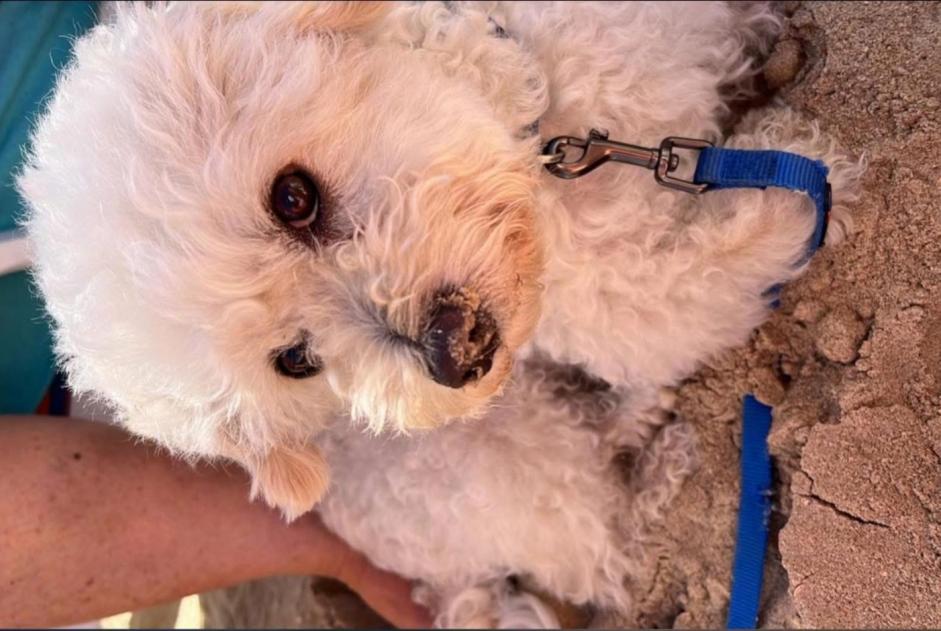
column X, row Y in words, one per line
column 320, row 16
column 291, row 479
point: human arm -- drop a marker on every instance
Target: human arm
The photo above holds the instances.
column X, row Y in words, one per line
column 93, row 523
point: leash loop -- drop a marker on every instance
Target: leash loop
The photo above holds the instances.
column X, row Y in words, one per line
column 761, row 168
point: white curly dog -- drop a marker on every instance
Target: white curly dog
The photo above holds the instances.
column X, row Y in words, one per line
column 263, row 228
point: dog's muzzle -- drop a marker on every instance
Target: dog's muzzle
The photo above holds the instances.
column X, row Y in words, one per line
column 459, row 340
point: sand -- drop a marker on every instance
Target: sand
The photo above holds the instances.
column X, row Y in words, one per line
column 851, row 362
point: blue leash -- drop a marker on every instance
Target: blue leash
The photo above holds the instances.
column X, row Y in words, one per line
column 745, row 168
column 735, row 168
column 754, row 508
column 720, row 169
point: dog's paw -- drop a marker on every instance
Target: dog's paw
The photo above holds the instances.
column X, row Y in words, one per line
column 523, row 610
column 497, row 605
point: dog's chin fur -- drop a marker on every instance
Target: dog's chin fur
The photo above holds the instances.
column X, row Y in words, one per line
column 172, row 285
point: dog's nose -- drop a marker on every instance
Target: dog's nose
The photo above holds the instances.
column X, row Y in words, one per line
column 459, row 342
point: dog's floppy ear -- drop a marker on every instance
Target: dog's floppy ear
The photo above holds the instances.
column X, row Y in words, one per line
column 291, row 479
column 322, row 16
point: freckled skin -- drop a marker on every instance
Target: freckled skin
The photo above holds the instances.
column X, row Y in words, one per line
column 93, row 523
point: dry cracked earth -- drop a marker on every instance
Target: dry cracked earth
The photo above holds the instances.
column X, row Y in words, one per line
column 851, row 361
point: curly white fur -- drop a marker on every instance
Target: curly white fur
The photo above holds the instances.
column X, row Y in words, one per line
column 531, row 489
column 171, row 284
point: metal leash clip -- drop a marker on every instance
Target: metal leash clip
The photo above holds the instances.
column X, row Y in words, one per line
column 597, row 149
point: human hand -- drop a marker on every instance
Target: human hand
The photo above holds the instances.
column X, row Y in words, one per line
column 389, row 595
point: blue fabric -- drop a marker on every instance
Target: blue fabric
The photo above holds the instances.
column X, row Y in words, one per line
column 753, row 512
column 26, row 360
column 746, row 168
column 35, row 43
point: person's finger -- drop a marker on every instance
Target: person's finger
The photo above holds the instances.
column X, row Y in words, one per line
column 386, row 593
column 326, row 554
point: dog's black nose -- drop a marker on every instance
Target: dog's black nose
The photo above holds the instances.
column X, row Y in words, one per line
column 459, row 341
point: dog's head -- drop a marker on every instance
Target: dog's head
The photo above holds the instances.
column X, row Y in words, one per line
column 250, row 217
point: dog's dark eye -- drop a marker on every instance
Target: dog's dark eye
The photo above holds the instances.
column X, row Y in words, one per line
column 297, row 363
column 295, row 199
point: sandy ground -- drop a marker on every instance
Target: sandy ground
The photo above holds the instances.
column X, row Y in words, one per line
column 851, row 361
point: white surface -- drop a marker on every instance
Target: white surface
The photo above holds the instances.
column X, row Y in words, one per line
column 14, row 255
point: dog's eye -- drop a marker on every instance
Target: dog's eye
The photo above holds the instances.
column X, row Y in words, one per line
column 297, row 363
column 295, row 199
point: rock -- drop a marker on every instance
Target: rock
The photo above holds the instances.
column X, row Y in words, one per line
column 785, row 62
column 809, row 311
column 840, row 334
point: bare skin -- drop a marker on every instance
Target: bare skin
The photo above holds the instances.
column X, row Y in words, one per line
column 93, row 523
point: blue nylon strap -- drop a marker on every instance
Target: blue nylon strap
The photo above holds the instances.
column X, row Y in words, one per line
column 746, row 168
column 753, row 512
column 742, row 168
